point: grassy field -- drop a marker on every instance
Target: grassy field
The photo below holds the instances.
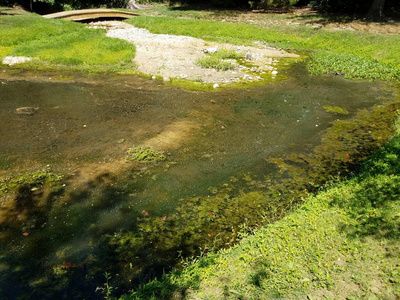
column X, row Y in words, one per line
column 351, row 53
column 58, row 44
column 343, row 243
column 61, row 44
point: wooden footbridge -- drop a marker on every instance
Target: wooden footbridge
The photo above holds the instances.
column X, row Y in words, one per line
column 90, row 14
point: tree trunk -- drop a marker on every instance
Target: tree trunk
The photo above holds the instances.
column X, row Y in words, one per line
column 376, row 10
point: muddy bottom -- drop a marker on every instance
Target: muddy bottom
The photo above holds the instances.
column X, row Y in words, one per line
column 82, row 129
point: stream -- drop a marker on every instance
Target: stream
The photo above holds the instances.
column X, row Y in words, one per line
column 90, row 206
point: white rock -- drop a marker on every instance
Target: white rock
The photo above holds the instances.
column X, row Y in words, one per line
column 211, row 50
column 12, row 60
column 216, row 85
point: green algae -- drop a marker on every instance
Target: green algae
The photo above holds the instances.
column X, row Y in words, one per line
column 335, row 110
column 202, row 224
column 144, row 155
column 32, row 180
column 213, row 214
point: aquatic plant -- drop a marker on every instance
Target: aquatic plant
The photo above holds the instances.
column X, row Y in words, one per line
column 335, row 110
column 33, row 180
column 346, row 235
column 203, row 224
column 144, row 155
column 106, row 289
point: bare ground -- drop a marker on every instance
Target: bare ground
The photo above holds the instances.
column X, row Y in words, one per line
column 172, row 56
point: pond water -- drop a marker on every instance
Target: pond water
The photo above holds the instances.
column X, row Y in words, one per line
column 52, row 241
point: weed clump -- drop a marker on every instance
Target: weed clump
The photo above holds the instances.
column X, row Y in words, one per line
column 144, row 155
column 222, row 60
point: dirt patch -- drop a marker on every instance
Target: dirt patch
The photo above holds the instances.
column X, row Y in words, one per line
column 172, row 56
column 295, row 17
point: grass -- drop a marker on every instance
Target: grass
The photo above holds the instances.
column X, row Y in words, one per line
column 352, row 53
column 62, row 44
column 222, row 60
column 342, row 243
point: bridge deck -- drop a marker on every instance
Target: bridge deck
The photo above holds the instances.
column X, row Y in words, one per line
column 87, row 14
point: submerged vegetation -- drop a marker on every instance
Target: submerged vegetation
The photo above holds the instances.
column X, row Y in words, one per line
column 342, row 243
column 297, row 232
column 203, row 224
column 335, row 110
column 140, row 154
column 32, row 181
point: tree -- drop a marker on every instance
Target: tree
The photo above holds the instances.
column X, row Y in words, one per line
column 376, row 10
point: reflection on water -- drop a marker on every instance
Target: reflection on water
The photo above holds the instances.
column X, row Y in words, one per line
column 83, row 130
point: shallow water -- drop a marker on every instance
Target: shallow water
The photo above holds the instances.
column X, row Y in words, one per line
column 83, row 127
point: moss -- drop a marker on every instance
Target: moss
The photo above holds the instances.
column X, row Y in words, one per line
column 335, row 110
column 144, row 155
column 33, row 180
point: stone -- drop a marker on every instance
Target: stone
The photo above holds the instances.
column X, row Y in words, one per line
column 29, row 111
column 211, row 50
column 12, row 60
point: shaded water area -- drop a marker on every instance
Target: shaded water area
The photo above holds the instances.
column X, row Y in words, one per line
column 73, row 207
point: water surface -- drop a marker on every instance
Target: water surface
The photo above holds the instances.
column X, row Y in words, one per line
column 82, row 128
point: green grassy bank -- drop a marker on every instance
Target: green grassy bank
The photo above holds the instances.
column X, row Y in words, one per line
column 62, row 44
column 354, row 54
column 343, row 243
column 59, row 44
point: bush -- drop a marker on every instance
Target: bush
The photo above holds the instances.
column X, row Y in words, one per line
column 80, row 4
column 47, row 6
column 286, row 4
column 241, row 3
column 350, row 6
